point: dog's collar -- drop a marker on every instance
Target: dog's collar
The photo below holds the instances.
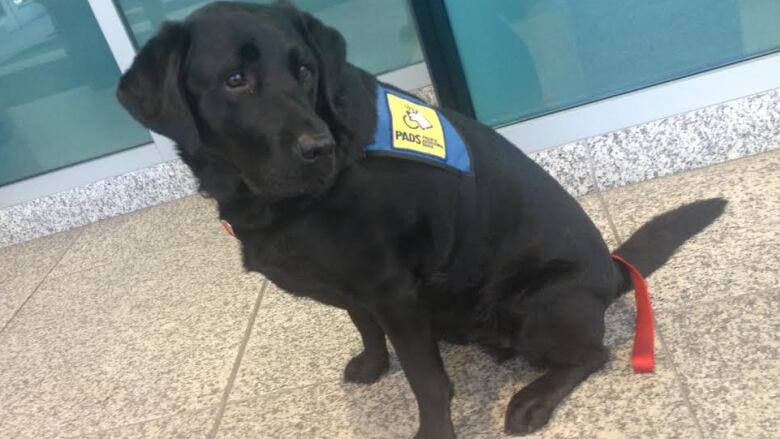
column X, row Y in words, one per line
column 228, row 228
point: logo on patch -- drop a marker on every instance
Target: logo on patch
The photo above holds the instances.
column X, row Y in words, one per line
column 414, row 120
column 416, row 127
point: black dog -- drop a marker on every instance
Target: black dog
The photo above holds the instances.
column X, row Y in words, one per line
column 274, row 123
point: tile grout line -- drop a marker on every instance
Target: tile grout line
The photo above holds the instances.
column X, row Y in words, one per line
column 237, row 363
column 610, row 220
column 43, row 279
column 603, row 201
column 683, row 389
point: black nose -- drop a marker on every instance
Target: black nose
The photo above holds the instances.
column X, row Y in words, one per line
column 313, row 146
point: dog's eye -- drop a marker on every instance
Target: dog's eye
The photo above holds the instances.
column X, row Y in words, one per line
column 304, row 73
column 236, row 80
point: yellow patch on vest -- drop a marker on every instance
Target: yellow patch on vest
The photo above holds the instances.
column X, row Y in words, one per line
column 416, row 127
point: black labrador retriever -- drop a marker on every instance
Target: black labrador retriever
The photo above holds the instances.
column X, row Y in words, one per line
column 274, row 123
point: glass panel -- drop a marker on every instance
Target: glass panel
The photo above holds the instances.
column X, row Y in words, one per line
column 526, row 58
column 57, row 79
column 380, row 33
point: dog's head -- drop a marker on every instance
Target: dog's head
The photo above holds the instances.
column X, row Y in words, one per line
column 257, row 98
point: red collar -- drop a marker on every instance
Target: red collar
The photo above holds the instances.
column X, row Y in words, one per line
column 228, row 228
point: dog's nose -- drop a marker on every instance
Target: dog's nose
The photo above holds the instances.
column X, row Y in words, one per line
column 313, row 146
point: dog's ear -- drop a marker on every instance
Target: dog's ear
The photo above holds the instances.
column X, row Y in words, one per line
column 152, row 90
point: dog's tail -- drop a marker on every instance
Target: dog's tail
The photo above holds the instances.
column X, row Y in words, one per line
column 655, row 242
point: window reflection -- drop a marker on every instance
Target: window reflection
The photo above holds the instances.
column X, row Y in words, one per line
column 380, row 33
column 527, row 58
column 56, row 89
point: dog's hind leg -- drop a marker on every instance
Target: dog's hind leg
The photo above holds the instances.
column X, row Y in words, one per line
column 368, row 366
column 564, row 328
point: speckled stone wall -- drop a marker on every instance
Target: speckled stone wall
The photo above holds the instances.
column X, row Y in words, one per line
column 703, row 137
column 699, row 138
column 95, row 201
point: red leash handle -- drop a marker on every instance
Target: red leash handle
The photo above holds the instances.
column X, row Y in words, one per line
column 643, row 357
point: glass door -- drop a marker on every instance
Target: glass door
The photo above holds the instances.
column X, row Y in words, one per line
column 523, row 59
column 57, row 79
column 380, row 33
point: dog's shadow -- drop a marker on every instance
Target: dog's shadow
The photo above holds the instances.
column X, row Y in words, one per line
column 483, row 387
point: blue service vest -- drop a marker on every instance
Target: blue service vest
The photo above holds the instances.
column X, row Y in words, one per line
column 408, row 128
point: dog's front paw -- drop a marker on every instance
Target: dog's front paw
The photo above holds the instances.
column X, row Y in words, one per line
column 366, row 368
column 443, row 433
column 527, row 412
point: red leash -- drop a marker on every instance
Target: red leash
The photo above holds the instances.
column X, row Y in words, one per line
column 643, row 357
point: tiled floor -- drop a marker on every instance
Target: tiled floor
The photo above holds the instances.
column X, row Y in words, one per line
column 146, row 326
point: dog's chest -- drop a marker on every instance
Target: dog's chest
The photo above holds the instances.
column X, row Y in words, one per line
column 316, row 257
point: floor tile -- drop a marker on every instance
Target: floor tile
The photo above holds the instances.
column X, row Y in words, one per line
column 101, row 243
column 23, row 267
column 123, row 343
column 290, row 385
column 649, row 406
column 135, row 332
column 297, row 413
column 613, row 403
column 169, row 225
column 183, row 221
column 187, row 425
column 735, row 255
column 40, row 396
column 728, row 355
column 296, row 342
column 386, row 409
